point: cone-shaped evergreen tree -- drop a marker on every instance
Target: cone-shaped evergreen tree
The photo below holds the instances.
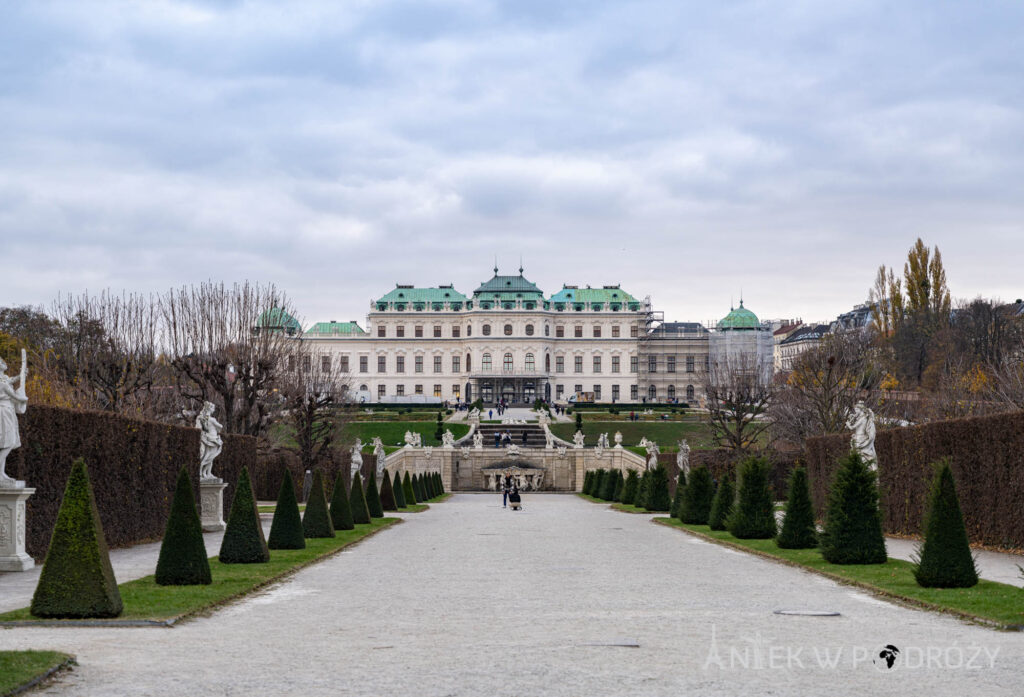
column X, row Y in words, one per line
column 317, row 520
column 286, row 529
column 387, row 494
column 642, row 485
column 440, row 485
column 700, row 492
column 595, row 483
column 373, row 503
column 853, row 525
column 753, row 515
column 357, row 501
column 608, row 486
column 417, row 489
column 341, row 506
column 243, row 541
column 677, row 499
column 721, row 505
column 944, row 558
column 182, row 560
column 396, row 486
column 620, row 484
column 657, row 490
column 798, row 531
column 409, row 491
column 428, row 485
column 629, row 489
column 588, row 483
column 77, row 580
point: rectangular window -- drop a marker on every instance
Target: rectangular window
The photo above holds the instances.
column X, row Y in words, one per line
column 364, row 364
column 615, row 364
column 615, row 332
column 325, row 364
column 615, row 393
column 456, row 364
column 579, row 330
column 400, row 330
column 437, row 364
column 559, row 391
column 344, row 364
column 577, row 388
column 437, row 390
column 578, row 366
column 382, row 364
column 400, row 390
column 597, row 392
column 437, row 331
column 634, row 392
column 455, row 391
column 381, row 392
column 291, row 363
column 456, row 331
column 689, row 364
column 634, row 364
column 634, row 331
column 559, row 331
column 671, row 364
column 382, row 331
column 306, row 363
column 597, row 332
column 419, row 389
column 652, row 364
column 400, row 364
column 419, row 364
column 707, row 363
column 418, row 331
column 559, row 364
column 597, row 364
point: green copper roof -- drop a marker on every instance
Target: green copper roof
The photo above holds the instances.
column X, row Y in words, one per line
column 347, row 328
column 607, row 294
column 508, row 284
column 409, row 294
column 276, row 318
column 740, row 318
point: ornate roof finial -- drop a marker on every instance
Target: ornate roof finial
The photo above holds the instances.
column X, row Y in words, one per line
column 741, row 297
column 520, row 264
column 495, row 264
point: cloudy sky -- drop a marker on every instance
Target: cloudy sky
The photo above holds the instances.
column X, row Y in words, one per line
column 687, row 150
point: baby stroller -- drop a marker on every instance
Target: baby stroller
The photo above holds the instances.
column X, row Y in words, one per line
column 515, row 501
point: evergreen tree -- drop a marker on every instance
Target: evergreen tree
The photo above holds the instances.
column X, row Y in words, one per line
column 944, row 558
column 608, row 486
column 387, row 494
column 357, row 501
column 853, row 527
column 286, row 529
column 396, row 486
column 753, row 515
column 317, row 520
column 373, row 503
column 183, row 559
column 341, row 504
column 588, row 482
column 243, row 541
column 657, row 490
column 602, row 476
column 439, row 431
column 798, row 528
column 77, row 580
column 700, row 492
column 440, row 485
column 408, row 491
column 620, row 484
column 642, row 484
column 677, row 499
column 629, row 489
column 579, row 420
column 721, row 505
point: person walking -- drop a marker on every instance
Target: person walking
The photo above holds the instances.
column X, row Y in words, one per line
column 497, row 439
column 524, row 439
column 505, row 489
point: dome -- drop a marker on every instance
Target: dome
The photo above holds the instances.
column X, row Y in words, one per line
column 740, row 318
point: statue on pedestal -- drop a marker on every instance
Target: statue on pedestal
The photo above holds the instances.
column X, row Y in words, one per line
column 862, row 422
column 210, row 442
column 652, row 454
column 618, row 439
column 380, row 454
column 577, row 440
column 478, row 441
column 549, row 439
column 13, row 401
column 356, row 461
column 448, row 439
column 683, row 457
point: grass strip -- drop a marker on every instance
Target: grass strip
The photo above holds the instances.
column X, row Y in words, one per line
column 989, row 603
column 623, row 507
column 22, row 670
column 272, row 508
column 145, row 602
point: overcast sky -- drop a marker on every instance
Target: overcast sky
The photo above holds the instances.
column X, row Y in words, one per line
column 685, row 150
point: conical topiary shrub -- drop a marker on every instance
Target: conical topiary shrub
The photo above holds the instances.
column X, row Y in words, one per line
column 428, row 485
column 657, row 490
column 588, row 480
column 700, row 491
column 440, row 485
column 409, row 491
column 677, row 499
column 357, row 501
column 853, row 527
column 396, row 486
column 243, row 541
column 620, row 484
column 721, row 505
column 387, row 494
column 629, row 488
column 642, row 485
column 373, row 504
column 944, row 558
column 608, row 486
column 417, row 489
column 317, row 520
column 753, row 515
column 286, row 529
column 182, row 560
column 77, row 580
column 798, row 527
column 341, row 507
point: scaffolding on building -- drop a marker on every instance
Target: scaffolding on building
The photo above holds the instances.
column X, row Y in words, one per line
column 671, row 358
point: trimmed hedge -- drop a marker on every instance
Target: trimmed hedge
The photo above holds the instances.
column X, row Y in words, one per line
column 286, row 528
column 629, row 489
column 396, row 486
column 409, row 491
column 243, row 541
column 373, row 504
column 986, row 456
column 183, row 560
column 608, row 486
column 945, row 559
column 697, row 498
column 798, row 526
column 357, row 501
column 852, row 533
column 341, row 505
column 387, row 494
column 753, row 513
column 657, row 490
column 721, row 505
column 316, row 522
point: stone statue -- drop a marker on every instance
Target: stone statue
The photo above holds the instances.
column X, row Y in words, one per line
column 13, row 401
column 538, row 480
column 644, row 442
column 618, row 439
column 561, row 450
column 448, row 439
column 380, row 454
column 577, row 440
column 513, row 450
column 602, row 440
column 683, row 457
column 474, row 413
column 478, row 441
column 356, row 462
column 549, row 439
column 409, row 440
column 417, row 439
column 210, row 442
column 652, row 454
column 862, row 422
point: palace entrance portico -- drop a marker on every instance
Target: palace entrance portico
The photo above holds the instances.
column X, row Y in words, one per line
column 514, row 388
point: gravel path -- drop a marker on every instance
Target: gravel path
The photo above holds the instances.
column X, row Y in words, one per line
column 470, row 599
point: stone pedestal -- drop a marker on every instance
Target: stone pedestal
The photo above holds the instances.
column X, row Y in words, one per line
column 211, row 504
column 12, row 529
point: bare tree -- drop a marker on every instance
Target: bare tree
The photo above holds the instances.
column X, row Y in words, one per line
column 227, row 345
column 1007, row 381
column 739, row 390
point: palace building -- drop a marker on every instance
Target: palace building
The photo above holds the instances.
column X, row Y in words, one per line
column 508, row 341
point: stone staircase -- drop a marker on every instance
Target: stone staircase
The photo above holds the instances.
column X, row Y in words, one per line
column 534, row 434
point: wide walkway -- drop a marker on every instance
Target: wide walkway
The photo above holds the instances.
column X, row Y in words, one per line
column 563, row 598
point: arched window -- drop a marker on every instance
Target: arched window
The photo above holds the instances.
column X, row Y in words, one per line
column 469, row 362
column 529, row 330
column 530, row 366
column 671, row 391
column 364, row 388
column 547, row 330
column 547, row 362
column 689, row 393
column 486, row 330
column 485, row 362
column 507, row 363
column 652, row 393
column 508, row 330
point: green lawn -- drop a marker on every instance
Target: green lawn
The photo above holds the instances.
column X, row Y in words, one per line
column 666, row 433
column 18, row 668
column 272, row 508
column 988, row 601
column 145, row 600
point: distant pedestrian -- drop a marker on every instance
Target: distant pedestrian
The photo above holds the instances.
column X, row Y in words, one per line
column 505, row 489
column 524, row 439
column 497, row 439
column 490, row 414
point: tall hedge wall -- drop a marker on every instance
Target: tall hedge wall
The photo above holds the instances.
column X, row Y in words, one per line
column 132, row 463
column 987, row 458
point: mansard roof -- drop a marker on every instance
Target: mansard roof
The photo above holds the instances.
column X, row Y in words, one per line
column 605, row 294
column 341, row 328
column 411, row 294
column 508, row 284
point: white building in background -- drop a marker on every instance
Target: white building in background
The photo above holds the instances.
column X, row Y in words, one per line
column 740, row 343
